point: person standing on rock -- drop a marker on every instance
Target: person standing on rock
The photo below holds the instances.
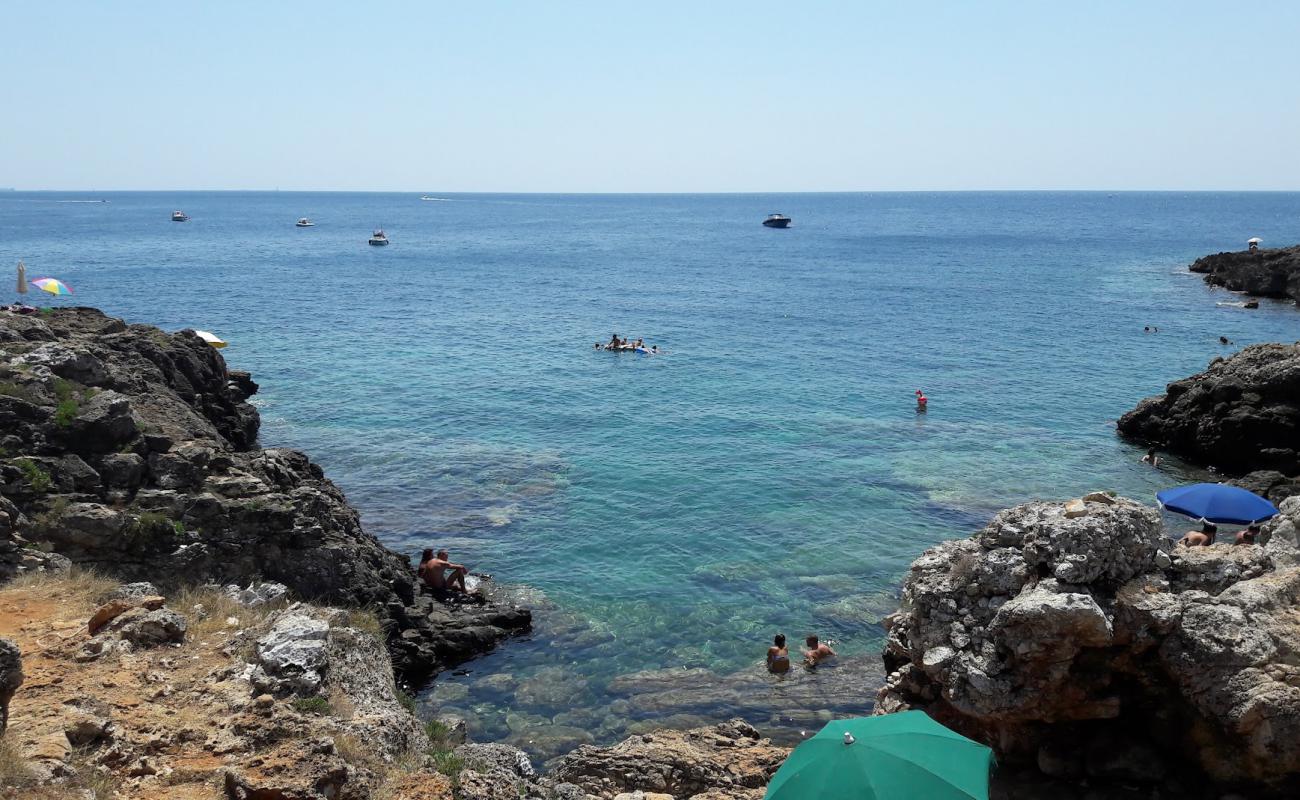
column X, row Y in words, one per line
column 1202, row 538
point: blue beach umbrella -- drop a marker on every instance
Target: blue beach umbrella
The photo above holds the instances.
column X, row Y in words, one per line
column 1217, row 502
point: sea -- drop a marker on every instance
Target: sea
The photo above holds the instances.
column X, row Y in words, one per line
column 768, row 472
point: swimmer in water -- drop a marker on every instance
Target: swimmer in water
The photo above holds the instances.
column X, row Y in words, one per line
column 1151, row 458
column 778, row 657
column 921, row 401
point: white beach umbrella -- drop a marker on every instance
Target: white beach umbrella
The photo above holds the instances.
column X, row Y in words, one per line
column 1254, row 240
column 211, row 338
column 22, row 278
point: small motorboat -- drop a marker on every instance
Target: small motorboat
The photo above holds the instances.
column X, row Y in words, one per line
column 305, row 223
column 180, row 216
column 427, row 197
column 777, row 221
column 378, row 238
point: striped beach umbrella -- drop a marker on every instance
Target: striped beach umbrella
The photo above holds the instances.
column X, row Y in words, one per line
column 52, row 285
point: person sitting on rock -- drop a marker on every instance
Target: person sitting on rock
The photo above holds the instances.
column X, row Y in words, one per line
column 1202, row 538
column 433, row 571
column 778, row 657
column 816, row 652
column 1248, row 536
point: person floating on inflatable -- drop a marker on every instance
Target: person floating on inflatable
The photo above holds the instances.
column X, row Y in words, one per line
column 921, row 401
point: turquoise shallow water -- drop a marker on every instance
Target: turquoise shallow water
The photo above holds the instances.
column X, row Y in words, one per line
column 768, row 473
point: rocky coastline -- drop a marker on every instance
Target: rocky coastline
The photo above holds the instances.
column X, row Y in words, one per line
column 1271, row 273
column 1240, row 417
column 251, row 639
column 134, row 451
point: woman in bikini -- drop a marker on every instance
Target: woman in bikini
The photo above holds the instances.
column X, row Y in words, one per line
column 778, row 658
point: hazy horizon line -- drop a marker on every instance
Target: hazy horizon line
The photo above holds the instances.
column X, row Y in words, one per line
column 17, row 190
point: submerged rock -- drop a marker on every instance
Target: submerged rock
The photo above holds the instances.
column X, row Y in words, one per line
column 1089, row 654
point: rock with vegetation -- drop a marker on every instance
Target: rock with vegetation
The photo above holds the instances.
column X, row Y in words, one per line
column 1240, row 416
column 133, row 451
column 1262, row 273
column 1089, row 647
column 187, row 720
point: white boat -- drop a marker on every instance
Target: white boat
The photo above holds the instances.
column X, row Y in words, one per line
column 378, row 238
column 305, row 223
column 180, row 216
column 427, row 197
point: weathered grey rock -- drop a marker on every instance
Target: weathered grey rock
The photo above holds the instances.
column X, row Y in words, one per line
column 151, row 628
column 292, row 653
column 11, row 677
column 725, row 757
column 1158, row 670
column 133, row 591
column 256, row 594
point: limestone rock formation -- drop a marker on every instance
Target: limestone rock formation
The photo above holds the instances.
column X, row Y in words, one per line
column 1241, row 415
column 134, row 451
column 728, row 761
column 1263, row 273
column 1089, row 646
column 11, row 677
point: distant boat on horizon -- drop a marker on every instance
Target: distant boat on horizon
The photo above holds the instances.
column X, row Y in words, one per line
column 378, row 238
column 777, row 221
column 180, row 216
column 305, row 223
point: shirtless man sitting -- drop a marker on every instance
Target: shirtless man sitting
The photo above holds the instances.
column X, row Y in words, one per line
column 1202, row 538
column 433, row 571
column 816, row 652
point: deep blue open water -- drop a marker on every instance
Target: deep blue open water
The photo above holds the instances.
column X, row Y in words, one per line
column 768, row 473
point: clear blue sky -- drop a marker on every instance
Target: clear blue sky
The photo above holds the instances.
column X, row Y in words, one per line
column 650, row 96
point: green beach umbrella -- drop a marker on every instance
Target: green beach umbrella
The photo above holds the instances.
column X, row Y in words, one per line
column 901, row 756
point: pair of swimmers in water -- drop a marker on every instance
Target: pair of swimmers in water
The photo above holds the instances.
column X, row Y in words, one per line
column 778, row 657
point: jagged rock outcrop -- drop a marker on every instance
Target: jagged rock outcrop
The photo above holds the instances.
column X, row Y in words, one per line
column 134, row 451
column 1263, row 273
column 728, row 761
column 1241, row 415
column 178, row 721
column 11, row 677
column 1089, row 646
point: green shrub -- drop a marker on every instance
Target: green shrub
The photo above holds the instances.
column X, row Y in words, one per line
column 53, row 515
column 449, row 764
column 64, row 389
column 311, row 705
column 66, row 412
column 37, row 479
column 404, row 700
